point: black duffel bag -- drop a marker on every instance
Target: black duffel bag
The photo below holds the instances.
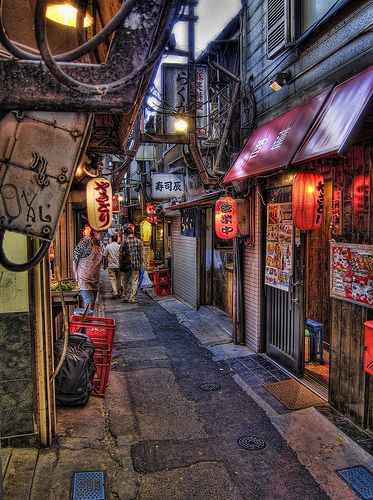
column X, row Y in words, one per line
column 74, row 382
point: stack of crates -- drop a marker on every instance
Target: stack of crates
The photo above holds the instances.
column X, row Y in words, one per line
column 101, row 331
column 162, row 281
column 315, row 341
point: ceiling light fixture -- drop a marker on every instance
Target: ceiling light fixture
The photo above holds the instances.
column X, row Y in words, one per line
column 279, row 80
column 66, row 13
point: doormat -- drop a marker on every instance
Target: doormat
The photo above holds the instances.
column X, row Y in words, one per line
column 88, row 485
column 293, row 395
column 360, row 479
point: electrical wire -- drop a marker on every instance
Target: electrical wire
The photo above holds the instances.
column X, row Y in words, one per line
column 103, row 88
column 80, row 51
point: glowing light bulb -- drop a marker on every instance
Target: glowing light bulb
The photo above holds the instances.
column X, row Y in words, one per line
column 181, row 125
column 66, row 14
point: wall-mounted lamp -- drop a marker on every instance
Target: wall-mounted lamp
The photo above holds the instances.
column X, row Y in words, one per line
column 181, row 124
column 279, row 80
column 66, row 13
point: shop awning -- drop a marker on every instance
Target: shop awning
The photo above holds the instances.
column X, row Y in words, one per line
column 273, row 145
column 335, row 127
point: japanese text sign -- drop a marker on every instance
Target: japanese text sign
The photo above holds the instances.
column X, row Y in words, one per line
column 166, row 186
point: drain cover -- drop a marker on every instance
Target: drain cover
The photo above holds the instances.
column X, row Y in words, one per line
column 251, row 443
column 88, row 485
column 209, row 386
column 360, row 479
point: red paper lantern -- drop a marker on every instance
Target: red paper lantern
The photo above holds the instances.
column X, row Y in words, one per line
column 308, row 200
column 151, row 213
column 225, row 218
column 99, row 204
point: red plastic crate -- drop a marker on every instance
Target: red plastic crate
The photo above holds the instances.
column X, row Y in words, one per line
column 100, row 329
column 163, row 289
column 161, row 276
column 102, row 332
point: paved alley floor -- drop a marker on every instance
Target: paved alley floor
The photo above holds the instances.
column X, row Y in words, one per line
column 160, row 436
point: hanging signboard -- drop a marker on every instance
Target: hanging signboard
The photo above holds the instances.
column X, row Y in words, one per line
column 351, row 272
column 166, row 186
column 175, row 96
column 99, row 204
column 38, row 156
column 279, row 245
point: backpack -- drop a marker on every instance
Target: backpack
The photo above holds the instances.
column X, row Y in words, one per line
column 125, row 264
column 74, row 381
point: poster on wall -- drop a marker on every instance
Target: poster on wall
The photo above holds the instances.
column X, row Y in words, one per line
column 351, row 272
column 279, row 245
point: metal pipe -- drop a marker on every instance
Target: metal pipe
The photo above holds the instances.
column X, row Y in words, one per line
column 101, row 88
column 26, row 266
column 225, row 71
column 219, row 156
column 89, row 46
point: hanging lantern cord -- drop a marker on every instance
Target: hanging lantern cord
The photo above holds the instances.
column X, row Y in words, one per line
column 26, row 266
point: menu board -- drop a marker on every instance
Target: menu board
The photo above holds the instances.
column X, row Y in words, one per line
column 351, row 272
column 279, row 245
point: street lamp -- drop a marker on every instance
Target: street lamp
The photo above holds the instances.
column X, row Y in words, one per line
column 66, row 13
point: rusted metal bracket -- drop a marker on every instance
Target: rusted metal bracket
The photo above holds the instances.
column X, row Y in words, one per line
column 165, row 138
column 205, row 176
column 28, row 85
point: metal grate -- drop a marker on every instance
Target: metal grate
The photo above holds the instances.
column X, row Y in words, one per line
column 88, row 485
column 209, row 386
column 251, row 443
column 360, row 479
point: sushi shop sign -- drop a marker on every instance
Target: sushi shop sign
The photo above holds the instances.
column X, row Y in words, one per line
column 167, row 186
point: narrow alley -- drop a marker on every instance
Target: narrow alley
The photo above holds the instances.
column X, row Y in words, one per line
column 170, row 424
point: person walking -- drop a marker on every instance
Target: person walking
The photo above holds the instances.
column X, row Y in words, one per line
column 87, row 259
column 111, row 254
column 131, row 261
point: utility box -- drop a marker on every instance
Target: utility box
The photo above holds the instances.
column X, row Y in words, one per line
column 316, row 340
column 243, row 217
column 368, row 347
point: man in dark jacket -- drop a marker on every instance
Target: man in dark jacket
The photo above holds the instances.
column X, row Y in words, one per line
column 132, row 259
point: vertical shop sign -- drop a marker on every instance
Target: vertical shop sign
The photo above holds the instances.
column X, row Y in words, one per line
column 175, row 93
column 189, row 222
column 351, row 272
column 116, row 203
column 202, row 102
column 337, row 212
column 279, row 245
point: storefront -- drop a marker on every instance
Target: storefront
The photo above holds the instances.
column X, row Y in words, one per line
column 317, row 285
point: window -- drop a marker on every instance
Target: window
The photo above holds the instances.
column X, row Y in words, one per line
column 287, row 20
column 312, row 11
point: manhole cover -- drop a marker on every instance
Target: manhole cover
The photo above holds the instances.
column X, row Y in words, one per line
column 251, row 443
column 88, row 485
column 360, row 479
column 209, row 386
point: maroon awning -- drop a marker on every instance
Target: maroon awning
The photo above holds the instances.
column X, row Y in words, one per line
column 337, row 122
column 274, row 144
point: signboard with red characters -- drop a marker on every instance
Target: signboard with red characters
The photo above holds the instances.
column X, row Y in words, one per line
column 225, row 218
column 116, row 203
column 351, row 273
column 99, row 204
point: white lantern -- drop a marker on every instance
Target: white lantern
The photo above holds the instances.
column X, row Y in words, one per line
column 99, row 204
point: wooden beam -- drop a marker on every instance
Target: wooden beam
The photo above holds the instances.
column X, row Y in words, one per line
column 165, row 139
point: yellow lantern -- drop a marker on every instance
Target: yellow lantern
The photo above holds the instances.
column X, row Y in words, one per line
column 145, row 231
column 99, row 204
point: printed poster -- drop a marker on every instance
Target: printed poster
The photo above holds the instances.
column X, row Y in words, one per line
column 351, row 272
column 279, row 245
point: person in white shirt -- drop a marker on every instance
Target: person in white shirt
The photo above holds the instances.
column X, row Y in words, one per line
column 111, row 254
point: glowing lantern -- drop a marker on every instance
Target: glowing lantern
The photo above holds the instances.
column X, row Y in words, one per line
column 145, row 231
column 116, row 203
column 225, row 218
column 99, row 204
column 151, row 213
column 308, row 200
